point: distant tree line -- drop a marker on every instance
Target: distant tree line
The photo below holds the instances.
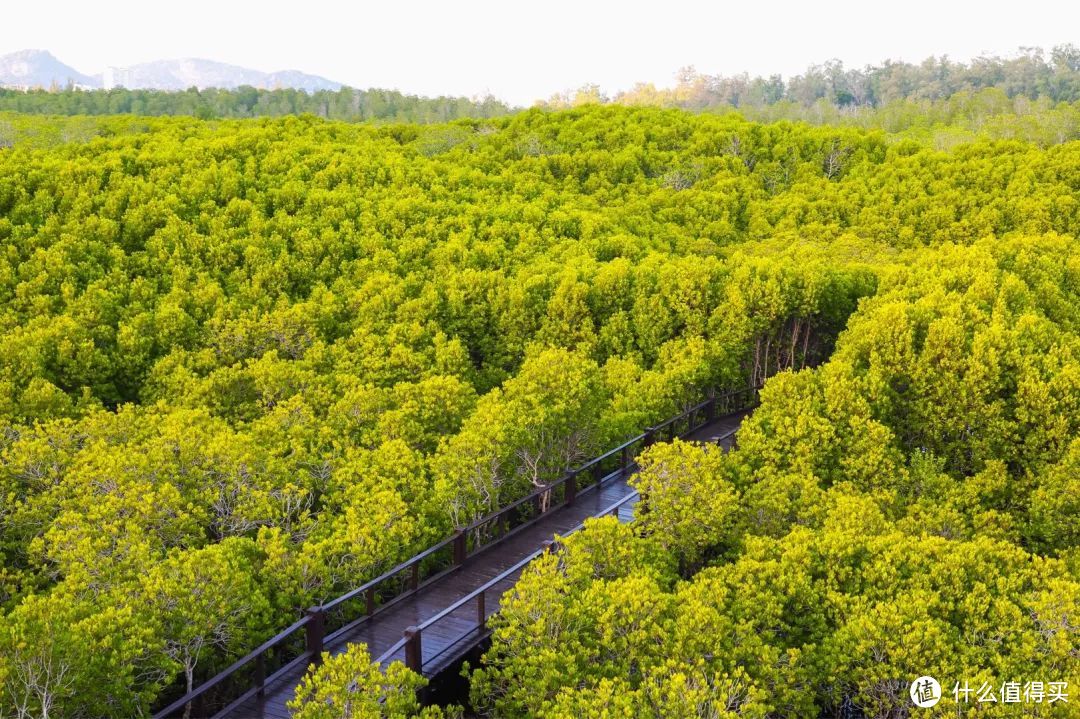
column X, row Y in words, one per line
column 1032, row 73
column 828, row 93
column 245, row 101
column 1034, row 96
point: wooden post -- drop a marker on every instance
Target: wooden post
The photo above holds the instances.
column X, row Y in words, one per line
column 414, row 657
column 370, row 596
column 481, row 613
column 314, row 631
column 710, row 409
column 650, row 437
column 459, row 548
column 571, row 488
column 414, row 576
column 625, row 460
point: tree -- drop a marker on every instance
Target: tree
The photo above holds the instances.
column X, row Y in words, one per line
column 206, row 601
column 686, row 504
column 350, row 686
column 62, row 656
column 522, row 437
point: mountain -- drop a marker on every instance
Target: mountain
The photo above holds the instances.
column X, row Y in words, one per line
column 39, row 68
column 195, row 72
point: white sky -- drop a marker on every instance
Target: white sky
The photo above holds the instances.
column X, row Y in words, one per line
column 523, row 52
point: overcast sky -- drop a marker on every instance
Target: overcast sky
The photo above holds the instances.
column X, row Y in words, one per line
column 521, row 52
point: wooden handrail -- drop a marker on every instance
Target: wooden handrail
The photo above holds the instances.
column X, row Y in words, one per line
column 368, row 588
column 506, row 573
column 413, row 634
column 372, row 583
column 240, row 663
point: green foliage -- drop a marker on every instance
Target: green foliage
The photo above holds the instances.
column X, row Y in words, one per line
column 64, row 655
column 896, row 512
column 205, row 601
column 811, row 623
column 686, row 503
column 292, row 352
column 1055, row 503
column 522, row 437
column 350, row 686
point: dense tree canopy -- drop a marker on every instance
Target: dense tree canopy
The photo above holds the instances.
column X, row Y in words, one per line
column 906, row 509
column 289, row 353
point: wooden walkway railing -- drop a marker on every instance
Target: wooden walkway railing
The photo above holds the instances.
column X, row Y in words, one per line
column 301, row 643
column 412, row 641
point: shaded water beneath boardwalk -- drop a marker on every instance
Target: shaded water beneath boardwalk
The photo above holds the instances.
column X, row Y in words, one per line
column 450, row 687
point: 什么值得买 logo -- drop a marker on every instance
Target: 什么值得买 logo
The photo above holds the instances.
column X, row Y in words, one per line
column 926, row 692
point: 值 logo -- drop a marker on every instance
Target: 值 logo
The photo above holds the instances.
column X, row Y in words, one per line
column 925, row 692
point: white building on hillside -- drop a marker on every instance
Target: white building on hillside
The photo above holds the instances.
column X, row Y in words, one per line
column 116, row 77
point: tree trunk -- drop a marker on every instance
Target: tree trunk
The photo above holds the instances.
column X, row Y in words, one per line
column 189, row 676
column 795, row 337
column 805, row 343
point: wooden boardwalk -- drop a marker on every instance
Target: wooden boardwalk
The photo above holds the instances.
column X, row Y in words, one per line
column 453, row 634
